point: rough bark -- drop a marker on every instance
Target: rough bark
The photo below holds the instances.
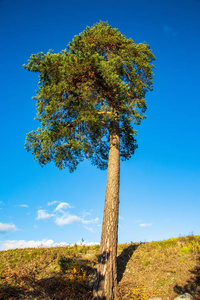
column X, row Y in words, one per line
column 106, row 280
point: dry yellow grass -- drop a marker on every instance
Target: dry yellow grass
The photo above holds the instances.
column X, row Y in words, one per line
column 158, row 269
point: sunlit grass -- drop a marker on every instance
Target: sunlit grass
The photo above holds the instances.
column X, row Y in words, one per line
column 37, row 273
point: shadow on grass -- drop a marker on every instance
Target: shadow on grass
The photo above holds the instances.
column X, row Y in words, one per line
column 123, row 259
column 71, row 283
column 10, row 292
column 67, row 284
column 55, row 288
column 193, row 285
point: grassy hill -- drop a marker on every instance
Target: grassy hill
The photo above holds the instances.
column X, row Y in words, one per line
column 162, row 269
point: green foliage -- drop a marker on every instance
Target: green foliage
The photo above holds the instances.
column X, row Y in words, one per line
column 96, row 247
column 102, row 76
column 185, row 250
column 65, row 263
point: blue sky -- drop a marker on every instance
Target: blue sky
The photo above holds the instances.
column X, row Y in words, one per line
column 159, row 186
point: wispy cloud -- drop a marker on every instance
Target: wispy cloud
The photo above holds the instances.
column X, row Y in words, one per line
column 84, row 214
column 89, row 228
column 62, row 205
column 23, row 205
column 67, row 219
column 42, row 215
column 90, row 221
column 138, row 221
column 52, row 203
column 145, row 224
column 5, row 227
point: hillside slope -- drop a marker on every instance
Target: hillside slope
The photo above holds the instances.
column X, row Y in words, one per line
column 162, row 269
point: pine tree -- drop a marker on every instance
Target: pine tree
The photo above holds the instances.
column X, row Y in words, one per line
column 90, row 97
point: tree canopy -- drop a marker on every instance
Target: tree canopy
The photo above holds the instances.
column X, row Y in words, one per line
column 101, row 76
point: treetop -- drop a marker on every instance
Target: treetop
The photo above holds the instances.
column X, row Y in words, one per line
column 101, row 76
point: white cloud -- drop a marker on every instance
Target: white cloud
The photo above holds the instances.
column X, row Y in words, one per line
column 87, row 243
column 62, row 205
column 4, row 227
column 62, row 217
column 52, row 203
column 23, row 205
column 145, row 224
column 42, row 215
column 67, row 219
column 90, row 221
column 6, row 245
column 85, row 214
column 89, row 228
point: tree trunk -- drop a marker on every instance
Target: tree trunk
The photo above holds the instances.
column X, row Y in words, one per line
column 106, row 280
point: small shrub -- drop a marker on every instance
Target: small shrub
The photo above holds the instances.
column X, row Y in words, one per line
column 75, row 247
column 65, row 263
column 96, row 247
column 140, row 293
column 185, row 249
